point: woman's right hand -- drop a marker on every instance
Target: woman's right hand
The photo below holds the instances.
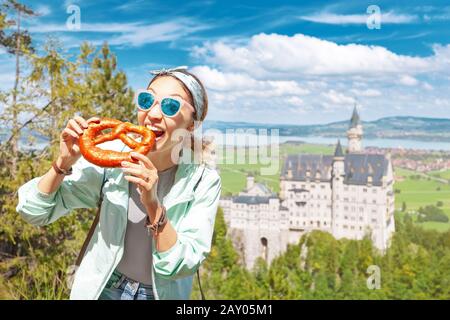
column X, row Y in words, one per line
column 69, row 150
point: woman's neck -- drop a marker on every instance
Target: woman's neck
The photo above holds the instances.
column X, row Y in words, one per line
column 162, row 160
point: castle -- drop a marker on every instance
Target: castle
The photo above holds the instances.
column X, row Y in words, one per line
column 348, row 195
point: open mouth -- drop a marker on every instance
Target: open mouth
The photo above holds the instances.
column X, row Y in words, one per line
column 158, row 132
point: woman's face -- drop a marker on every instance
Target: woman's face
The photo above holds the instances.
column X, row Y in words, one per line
column 163, row 126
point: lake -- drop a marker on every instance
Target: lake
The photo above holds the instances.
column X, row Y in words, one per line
column 241, row 139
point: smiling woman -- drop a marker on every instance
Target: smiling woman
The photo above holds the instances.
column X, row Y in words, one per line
column 157, row 215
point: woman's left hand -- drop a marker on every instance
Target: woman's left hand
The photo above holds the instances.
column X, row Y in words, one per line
column 145, row 176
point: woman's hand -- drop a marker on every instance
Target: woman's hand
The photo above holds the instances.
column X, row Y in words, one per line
column 69, row 151
column 145, row 176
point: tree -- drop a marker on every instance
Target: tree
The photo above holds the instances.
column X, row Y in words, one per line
column 110, row 94
column 17, row 43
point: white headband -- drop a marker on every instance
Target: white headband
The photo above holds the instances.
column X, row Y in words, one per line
column 190, row 82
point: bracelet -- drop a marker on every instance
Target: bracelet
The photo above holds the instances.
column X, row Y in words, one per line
column 61, row 171
column 157, row 226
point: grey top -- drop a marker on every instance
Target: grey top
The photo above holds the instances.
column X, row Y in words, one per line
column 136, row 262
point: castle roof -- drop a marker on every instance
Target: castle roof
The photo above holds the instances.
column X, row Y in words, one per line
column 338, row 151
column 260, row 187
column 357, row 168
column 354, row 121
column 253, row 199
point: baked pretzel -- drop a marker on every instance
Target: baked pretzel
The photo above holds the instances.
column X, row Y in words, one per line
column 92, row 136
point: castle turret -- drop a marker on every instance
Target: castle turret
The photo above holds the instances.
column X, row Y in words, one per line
column 355, row 133
column 337, row 183
column 338, row 162
column 250, row 182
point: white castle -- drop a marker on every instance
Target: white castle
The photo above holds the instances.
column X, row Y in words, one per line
column 348, row 195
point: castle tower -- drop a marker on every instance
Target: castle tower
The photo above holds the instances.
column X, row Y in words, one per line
column 354, row 133
column 337, row 183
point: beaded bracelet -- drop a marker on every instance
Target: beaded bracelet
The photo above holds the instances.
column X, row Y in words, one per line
column 157, row 226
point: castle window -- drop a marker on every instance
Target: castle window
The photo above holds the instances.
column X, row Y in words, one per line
column 374, row 220
column 364, row 189
column 345, row 188
column 361, row 209
column 322, row 186
column 374, row 190
column 374, row 201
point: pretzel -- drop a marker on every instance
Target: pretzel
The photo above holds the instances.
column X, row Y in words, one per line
column 108, row 158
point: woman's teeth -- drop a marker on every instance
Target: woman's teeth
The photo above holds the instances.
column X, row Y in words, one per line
column 158, row 133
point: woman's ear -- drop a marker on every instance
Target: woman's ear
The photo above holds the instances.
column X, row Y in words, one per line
column 191, row 127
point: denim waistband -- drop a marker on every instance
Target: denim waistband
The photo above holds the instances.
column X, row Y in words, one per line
column 117, row 278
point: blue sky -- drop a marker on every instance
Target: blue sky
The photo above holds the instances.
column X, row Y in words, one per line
column 293, row 62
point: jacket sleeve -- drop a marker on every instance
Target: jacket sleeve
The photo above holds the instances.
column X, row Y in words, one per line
column 194, row 233
column 81, row 189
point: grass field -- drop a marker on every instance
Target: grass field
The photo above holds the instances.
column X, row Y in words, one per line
column 415, row 192
column 441, row 174
column 234, row 175
column 418, row 193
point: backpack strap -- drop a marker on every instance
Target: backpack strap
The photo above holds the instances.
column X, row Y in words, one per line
column 93, row 226
column 198, row 270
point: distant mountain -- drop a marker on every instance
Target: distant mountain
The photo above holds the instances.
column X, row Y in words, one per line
column 405, row 127
column 413, row 128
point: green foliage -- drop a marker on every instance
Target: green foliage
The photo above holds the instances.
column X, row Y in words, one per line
column 34, row 260
column 432, row 213
column 416, row 266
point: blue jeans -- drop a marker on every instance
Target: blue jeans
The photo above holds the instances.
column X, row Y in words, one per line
column 119, row 287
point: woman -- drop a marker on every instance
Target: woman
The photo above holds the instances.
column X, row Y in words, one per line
column 126, row 259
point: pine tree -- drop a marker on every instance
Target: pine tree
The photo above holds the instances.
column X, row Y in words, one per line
column 17, row 43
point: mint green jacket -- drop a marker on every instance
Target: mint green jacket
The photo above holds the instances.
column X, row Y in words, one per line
column 191, row 212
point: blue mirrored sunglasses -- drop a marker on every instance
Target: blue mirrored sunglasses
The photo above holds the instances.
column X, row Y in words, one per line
column 169, row 106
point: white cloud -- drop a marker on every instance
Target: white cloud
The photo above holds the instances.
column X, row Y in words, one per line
column 239, row 84
column 366, row 93
column 408, row 80
column 295, row 101
column 338, row 98
column 333, row 18
column 297, row 56
column 43, row 10
column 130, row 34
column 278, row 78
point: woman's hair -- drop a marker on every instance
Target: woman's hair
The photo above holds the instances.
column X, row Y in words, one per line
column 188, row 92
column 207, row 146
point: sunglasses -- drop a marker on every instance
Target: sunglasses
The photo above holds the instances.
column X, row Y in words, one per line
column 170, row 106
